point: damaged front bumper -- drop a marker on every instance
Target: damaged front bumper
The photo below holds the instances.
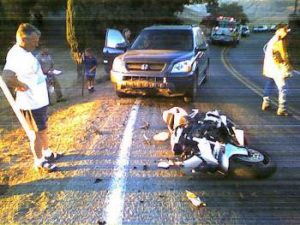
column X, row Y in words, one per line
column 169, row 86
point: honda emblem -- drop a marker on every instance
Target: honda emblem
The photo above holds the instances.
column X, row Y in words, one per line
column 144, row 67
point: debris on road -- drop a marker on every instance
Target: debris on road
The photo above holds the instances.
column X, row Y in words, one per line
column 162, row 136
column 146, row 139
column 97, row 180
column 163, row 164
column 145, row 167
column 195, row 200
column 145, row 126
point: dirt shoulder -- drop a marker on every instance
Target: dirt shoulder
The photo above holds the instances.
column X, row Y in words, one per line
column 25, row 194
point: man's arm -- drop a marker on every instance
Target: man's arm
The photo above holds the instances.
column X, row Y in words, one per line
column 12, row 81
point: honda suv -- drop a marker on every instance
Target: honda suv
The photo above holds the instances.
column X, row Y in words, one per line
column 168, row 60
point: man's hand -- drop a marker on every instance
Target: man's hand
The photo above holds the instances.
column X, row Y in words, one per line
column 12, row 81
column 22, row 87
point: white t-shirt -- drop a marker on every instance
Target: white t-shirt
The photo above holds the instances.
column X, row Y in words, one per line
column 28, row 70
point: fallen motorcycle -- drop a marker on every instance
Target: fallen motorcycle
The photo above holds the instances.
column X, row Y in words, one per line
column 210, row 142
column 52, row 85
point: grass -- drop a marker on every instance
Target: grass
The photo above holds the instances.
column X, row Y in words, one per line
column 67, row 131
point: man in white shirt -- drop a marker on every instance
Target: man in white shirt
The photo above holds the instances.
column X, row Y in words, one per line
column 23, row 73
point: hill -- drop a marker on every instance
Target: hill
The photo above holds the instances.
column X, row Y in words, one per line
column 258, row 11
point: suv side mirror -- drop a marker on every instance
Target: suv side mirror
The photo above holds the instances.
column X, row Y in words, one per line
column 201, row 48
column 122, row 46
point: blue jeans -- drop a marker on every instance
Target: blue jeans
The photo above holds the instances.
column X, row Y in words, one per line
column 282, row 90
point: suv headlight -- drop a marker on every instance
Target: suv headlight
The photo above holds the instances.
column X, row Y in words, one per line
column 182, row 67
column 119, row 66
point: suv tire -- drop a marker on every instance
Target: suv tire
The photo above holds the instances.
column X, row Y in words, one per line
column 191, row 95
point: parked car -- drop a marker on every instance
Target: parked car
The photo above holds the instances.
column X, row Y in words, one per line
column 272, row 28
column 168, row 60
column 260, row 28
column 245, row 31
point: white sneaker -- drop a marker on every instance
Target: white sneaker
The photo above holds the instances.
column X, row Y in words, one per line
column 42, row 164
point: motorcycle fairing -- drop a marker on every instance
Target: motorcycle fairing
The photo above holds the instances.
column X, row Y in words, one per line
column 205, row 151
column 231, row 150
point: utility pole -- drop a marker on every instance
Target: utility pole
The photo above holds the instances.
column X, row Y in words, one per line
column 296, row 7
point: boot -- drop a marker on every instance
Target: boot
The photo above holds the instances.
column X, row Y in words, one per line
column 282, row 112
column 266, row 104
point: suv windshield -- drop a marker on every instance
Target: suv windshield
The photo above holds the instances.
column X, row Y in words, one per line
column 181, row 40
column 226, row 24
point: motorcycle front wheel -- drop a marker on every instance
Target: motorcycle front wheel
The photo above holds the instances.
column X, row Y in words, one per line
column 257, row 164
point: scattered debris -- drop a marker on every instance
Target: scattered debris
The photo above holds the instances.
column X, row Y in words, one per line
column 98, row 180
column 163, row 164
column 196, row 201
column 146, row 139
column 142, row 201
column 162, row 136
column 134, row 168
column 171, row 162
column 145, row 167
column 145, row 126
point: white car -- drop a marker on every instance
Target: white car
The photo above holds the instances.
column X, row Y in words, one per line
column 245, row 31
column 272, row 28
column 260, row 28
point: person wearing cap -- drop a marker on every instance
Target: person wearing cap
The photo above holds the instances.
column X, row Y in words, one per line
column 276, row 69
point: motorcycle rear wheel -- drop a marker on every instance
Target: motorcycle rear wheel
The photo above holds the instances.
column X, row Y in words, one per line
column 257, row 165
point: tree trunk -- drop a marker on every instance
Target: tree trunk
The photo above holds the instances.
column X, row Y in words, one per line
column 72, row 40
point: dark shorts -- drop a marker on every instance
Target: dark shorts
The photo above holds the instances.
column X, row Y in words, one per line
column 36, row 118
column 90, row 78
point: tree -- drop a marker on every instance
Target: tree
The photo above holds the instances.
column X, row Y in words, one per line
column 233, row 10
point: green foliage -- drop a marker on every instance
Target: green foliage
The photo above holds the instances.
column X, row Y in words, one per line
column 233, row 10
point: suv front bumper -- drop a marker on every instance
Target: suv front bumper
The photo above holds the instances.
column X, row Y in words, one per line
column 171, row 85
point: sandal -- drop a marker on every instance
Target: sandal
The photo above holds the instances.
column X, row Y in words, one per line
column 53, row 156
column 46, row 166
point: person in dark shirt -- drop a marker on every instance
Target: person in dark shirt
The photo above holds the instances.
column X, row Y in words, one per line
column 90, row 67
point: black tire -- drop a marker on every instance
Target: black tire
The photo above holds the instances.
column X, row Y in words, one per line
column 191, row 95
column 120, row 94
column 206, row 76
column 258, row 165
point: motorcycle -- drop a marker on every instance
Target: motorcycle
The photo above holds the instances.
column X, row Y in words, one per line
column 52, row 84
column 210, row 142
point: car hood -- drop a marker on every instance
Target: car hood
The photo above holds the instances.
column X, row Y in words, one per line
column 165, row 56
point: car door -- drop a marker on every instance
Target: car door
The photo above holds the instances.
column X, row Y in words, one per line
column 115, row 45
column 201, row 48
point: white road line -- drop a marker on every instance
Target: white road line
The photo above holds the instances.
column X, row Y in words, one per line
column 116, row 193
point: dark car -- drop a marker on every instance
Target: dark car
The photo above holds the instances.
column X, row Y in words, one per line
column 168, row 60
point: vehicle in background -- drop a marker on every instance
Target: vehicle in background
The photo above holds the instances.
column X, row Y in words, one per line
column 260, row 28
column 168, row 60
column 272, row 28
column 245, row 31
column 226, row 31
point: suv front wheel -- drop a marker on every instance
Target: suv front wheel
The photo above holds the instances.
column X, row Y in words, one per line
column 192, row 93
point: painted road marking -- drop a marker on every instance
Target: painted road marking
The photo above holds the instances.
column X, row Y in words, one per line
column 252, row 86
column 116, row 193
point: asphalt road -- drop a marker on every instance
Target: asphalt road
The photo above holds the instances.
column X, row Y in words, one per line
column 157, row 196
column 115, row 180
